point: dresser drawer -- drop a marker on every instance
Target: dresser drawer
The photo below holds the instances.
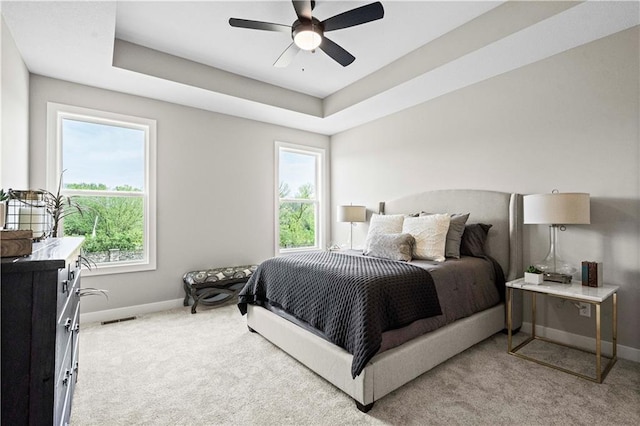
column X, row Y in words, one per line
column 74, row 368
column 68, row 373
column 64, row 379
column 75, row 343
column 70, row 298
column 67, row 280
column 65, row 409
column 68, row 321
column 65, row 331
column 62, row 286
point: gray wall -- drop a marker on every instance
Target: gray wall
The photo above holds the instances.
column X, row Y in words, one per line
column 569, row 122
column 215, row 187
column 14, row 133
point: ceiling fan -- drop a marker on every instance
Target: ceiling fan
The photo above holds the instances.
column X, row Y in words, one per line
column 307, row 32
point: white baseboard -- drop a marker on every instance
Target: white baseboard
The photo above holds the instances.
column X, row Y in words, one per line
column 130, row 311
column 584, row 342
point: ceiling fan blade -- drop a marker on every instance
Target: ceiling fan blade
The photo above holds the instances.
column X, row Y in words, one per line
column 353, row 17
column 303, row 8
column 336, row 52
column 259, row 25
column 287, row 56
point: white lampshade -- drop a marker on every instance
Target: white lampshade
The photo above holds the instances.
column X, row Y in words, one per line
column 352, row 214
column 557, row 208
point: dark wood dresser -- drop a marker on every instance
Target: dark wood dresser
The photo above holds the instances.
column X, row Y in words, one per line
column 40, row 327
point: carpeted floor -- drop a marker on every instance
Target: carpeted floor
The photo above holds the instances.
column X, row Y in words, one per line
column 175, row 368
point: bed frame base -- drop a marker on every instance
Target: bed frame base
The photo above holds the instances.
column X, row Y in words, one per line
column 386, row 371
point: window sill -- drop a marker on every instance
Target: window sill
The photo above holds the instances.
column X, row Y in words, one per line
column 299, row 251
column 117, row 268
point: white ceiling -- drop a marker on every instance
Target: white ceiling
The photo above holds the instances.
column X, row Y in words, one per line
column 418, row 51
column 200, row 31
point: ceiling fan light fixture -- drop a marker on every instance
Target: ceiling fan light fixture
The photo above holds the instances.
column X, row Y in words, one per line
column 307, row 37
column 307, row 31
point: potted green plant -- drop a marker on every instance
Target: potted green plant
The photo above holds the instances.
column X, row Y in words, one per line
column 60, row 206
column 533, row 275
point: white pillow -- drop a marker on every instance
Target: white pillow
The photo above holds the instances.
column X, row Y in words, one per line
column 383, row 224
column 430, row 233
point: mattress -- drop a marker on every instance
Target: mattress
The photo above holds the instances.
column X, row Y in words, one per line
column 465, row 286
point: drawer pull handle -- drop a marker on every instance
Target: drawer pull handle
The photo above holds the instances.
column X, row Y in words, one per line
column 67, row 324
column 76, row 328
column 72, row 274
column 67, row 376
column 65, row 286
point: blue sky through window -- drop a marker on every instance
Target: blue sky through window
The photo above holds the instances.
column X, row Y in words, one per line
column 100, row 153
column 297, row 169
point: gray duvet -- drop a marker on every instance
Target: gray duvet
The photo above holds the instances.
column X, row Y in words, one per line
column 465, row 286
column 351, row 299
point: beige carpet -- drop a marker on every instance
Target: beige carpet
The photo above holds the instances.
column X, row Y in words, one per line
column 175, row 368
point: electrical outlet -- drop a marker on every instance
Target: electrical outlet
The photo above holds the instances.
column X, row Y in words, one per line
column 585, row 309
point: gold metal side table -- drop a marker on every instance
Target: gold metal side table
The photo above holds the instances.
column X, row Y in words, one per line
column 576, row 292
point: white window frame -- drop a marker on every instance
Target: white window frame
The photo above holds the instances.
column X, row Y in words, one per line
column 55, row 114
column 320, row 201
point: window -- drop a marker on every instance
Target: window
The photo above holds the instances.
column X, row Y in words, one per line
column 106, row 163
column 300, row 187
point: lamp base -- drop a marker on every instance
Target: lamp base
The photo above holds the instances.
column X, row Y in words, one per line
column 557, row 277
column 552, row 262
column 557, row 266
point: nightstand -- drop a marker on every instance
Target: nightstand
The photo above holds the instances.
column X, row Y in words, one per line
column 578, row 293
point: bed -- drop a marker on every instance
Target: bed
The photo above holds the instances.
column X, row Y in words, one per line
column 390, row 369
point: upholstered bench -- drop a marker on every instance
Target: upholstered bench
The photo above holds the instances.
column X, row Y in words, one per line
column 216, row 286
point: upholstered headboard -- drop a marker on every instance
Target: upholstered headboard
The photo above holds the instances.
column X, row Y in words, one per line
column 500, row 209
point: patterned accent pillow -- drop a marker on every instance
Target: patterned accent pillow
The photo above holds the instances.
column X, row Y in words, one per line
column 383, row 224
column 391, row 246
column 430, row 233
column 454, row 234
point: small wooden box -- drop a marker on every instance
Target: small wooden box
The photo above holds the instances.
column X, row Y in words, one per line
column 16, row 243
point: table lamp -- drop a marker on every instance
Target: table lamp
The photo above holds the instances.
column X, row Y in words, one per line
column 352, row 214
column 556, row 210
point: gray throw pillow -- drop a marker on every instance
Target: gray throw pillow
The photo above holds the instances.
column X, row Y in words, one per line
column 391, row 246
column 454, row 234
column 473, row 239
